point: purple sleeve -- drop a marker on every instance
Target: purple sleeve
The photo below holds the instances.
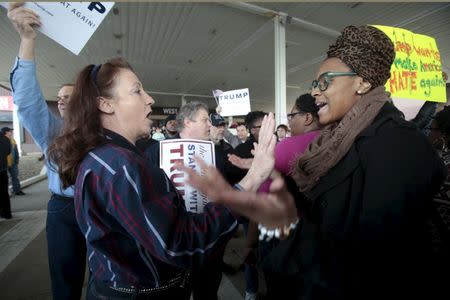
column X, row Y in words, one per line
column 286, row 152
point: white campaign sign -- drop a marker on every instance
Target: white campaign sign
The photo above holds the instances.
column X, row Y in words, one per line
column 234, row 103
column 184, row 150
column 70, row 24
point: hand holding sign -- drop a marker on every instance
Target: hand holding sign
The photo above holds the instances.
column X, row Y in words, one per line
column 24, row 20
column 70, row 24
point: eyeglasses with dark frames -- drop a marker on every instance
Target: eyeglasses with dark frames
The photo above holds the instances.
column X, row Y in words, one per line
column 324, row 79
column 291, row 115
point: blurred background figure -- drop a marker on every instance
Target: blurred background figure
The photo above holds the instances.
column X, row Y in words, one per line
column 171, row 127
column 5, row 205
column 158, row 135
column 222, row 148
column 242, row 132
column 240, row 138
column 13, row 162
column 282, row 131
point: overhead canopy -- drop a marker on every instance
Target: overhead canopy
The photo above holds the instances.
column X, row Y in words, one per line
column 192, row 48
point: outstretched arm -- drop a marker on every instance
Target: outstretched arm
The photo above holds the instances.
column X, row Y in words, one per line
column 241, row 163
column 264, row 159
column 31, row 106
column 275, row 209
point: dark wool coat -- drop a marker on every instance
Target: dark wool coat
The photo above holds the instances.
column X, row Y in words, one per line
column 5, row 150
column 366, row 235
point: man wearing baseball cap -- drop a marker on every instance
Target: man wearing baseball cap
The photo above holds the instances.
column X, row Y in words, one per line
column 222, row 148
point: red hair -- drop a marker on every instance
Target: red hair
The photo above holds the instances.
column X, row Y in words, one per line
column 83, row 130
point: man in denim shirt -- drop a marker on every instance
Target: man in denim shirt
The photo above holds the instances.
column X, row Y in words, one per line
column 66, row 244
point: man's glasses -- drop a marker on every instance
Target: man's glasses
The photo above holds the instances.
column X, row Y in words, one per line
column 291, row 115
column 324, row 79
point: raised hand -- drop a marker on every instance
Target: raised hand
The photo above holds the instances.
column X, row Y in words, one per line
column 274, row 210
column 24, row 20
column 264, row 159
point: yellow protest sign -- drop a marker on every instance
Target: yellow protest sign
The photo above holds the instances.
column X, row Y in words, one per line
column 417, row 69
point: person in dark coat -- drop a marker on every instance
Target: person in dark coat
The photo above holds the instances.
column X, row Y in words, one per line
column 171, row 127
column 253, row 121
column 5, row 204
column 193, row 122
column 440, row 139
column 221, row 148
column 425, row 116
column 369, row 179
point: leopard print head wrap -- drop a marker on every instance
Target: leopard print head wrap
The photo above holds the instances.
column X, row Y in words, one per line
column 367, row 50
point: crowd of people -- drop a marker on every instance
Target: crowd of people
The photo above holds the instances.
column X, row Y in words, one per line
column 352, row 205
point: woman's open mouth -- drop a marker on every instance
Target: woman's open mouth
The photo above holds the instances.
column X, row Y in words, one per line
column 321, row 105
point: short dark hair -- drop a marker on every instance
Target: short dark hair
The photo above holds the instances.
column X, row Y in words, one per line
column 171, row 117
column 282, row 126
column 6, row 129
column 307, row 104
column 252, row 117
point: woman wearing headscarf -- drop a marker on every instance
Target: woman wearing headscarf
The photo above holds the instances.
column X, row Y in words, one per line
column 369, row 177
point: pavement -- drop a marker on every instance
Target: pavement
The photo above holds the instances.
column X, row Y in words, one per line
column 24, row 270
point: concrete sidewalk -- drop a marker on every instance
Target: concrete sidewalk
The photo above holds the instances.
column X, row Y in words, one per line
column 24, row 270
